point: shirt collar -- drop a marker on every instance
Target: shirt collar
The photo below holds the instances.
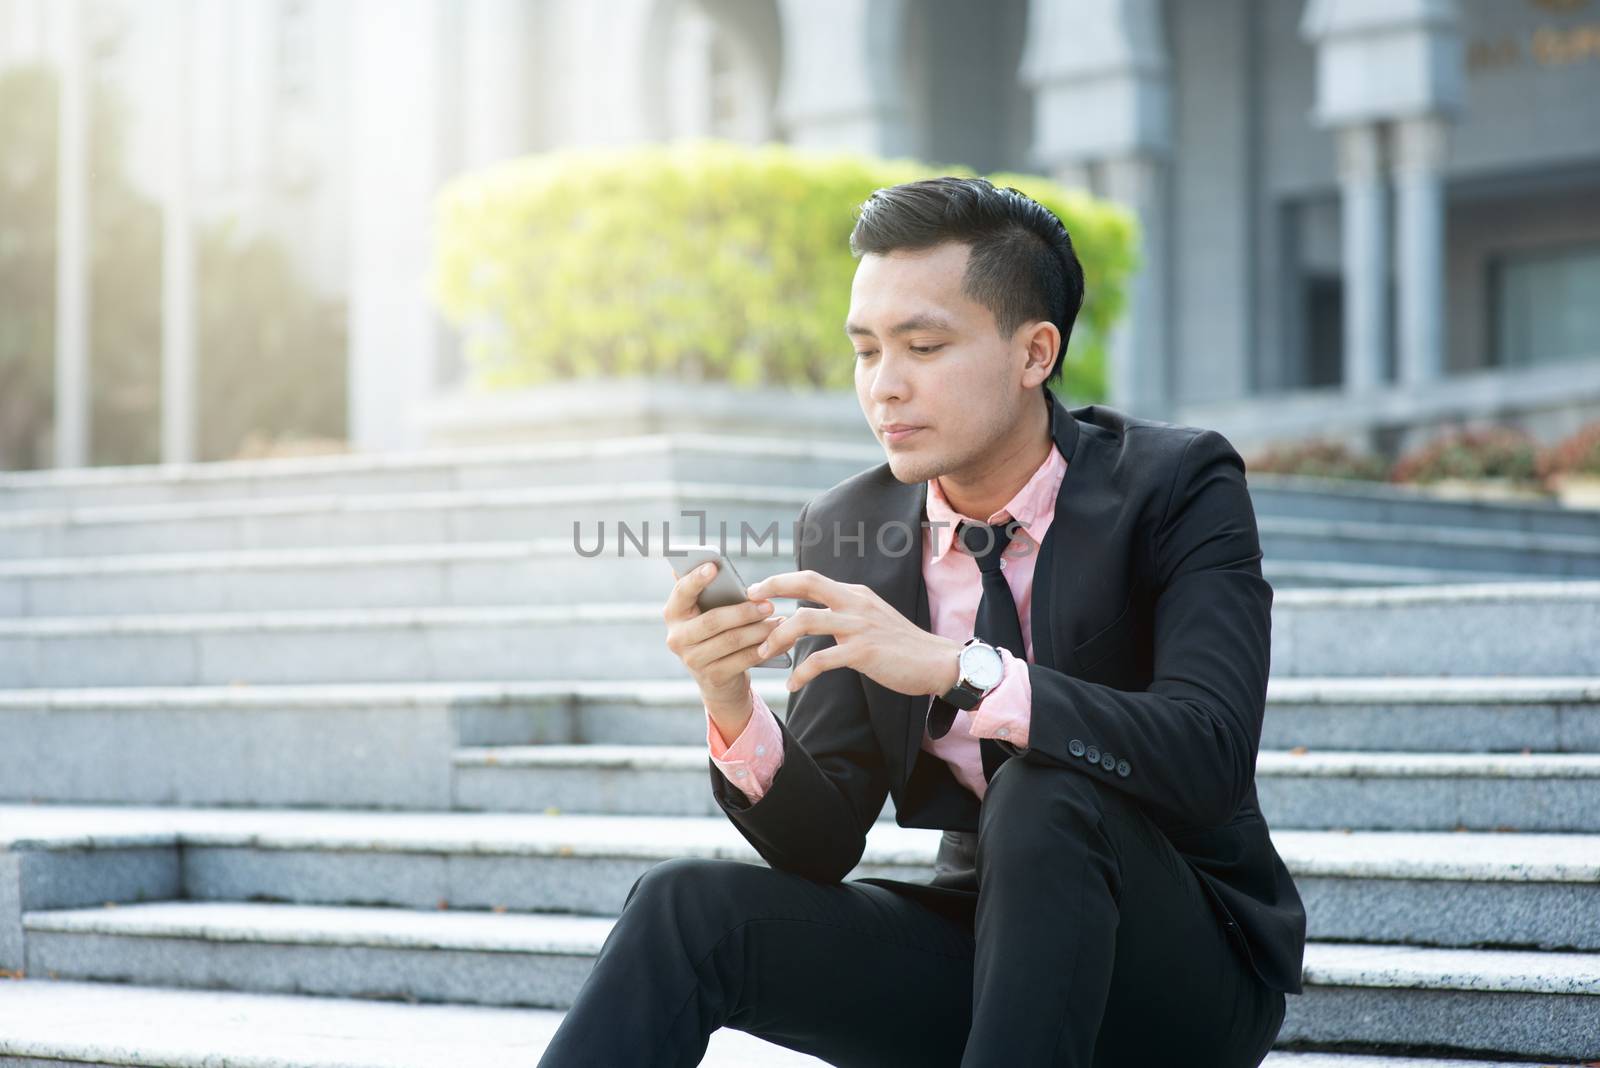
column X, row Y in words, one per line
column 1035, row 500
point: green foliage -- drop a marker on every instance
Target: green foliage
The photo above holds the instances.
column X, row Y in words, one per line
column 703, row 259
column 270, row 352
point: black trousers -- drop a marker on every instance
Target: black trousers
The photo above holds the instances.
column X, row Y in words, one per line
column 1088, row 942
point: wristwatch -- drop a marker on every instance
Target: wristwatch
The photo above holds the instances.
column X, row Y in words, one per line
column 981, row 670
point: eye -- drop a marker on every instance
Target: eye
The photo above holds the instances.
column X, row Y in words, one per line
column 863, row 355
column 928, row 349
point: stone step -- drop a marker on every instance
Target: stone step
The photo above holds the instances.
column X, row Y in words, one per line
column 1323, row 790
column 1467, row 1001
column 1430, row 791
column 1289, row 574
column 698, row 456
column 173, row 1027
column 695, row 457
column 552, row 511
column 1494, row 1001
column 1496, row 713
column 1410, row 545
column 1288, row 1059
column 1298, row 496
column 1462, row 888
column 649, row 510
column 1535, row 628
column 533, row 571
column 530, row 571
column 1517, row 628
column 296, row 745
column 42, row 1026
column 1549, row 714
column 493, row 643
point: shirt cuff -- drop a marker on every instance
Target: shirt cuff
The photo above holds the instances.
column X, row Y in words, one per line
column 1006, row 712
column 751, row 760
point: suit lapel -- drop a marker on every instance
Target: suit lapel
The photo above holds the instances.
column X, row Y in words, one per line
column 1052, row 576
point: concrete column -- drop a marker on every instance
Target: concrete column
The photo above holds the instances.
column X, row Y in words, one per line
column 1365, row 255
column 1137, row 381
column 840, row 86
column 398, row 93
column 1419, row 150
column 1099, row 73
column 72, row 243
column 495, row 116
column 601, row 84
column 1396, row 62
column 688, row 70
column 179, row 421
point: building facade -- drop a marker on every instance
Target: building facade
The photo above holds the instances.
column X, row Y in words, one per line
column 1364, row 219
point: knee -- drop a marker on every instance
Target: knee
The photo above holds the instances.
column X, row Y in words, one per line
column 1048, row 800
column 692, row 893
column 1029, row 784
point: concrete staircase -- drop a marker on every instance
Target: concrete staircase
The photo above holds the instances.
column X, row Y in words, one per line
column 353, row 760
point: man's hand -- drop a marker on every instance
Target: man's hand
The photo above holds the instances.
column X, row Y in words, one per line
column 718, row 646
column 870, row 635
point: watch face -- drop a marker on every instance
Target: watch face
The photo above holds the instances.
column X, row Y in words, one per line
column 982, row 665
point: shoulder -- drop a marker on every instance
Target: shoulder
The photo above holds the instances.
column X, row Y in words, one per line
column 1152, row 453
column 1149, row 439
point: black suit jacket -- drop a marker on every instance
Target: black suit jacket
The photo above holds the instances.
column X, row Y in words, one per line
column 1151, row 633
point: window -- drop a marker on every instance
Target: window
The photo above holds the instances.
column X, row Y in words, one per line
column 1545, row 305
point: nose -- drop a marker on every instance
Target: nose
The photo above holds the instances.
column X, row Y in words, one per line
column 887, row 380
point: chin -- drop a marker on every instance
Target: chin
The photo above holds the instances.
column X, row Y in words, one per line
column 911, row 470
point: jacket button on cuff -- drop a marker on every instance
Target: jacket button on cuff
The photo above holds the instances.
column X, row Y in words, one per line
column 1123, row 767
column 1108, row 762
column 1092, row 755
column 1075, row 747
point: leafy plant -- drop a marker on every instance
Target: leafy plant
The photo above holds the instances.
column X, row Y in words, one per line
column 1496, row 452
column 1319, row 459
column 1576, row 454
column 703, row 259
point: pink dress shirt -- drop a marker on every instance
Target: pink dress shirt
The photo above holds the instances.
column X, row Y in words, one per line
column 954, row 587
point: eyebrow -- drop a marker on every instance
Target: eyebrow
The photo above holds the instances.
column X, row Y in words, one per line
column 923, row 321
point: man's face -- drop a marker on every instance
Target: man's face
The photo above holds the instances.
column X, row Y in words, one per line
column 930, row 357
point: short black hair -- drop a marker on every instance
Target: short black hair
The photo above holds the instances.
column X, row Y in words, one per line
column 1021, row 265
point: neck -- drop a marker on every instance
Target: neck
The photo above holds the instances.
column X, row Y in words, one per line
column 1006, row 469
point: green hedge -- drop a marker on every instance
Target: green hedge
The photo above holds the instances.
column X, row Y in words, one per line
column 703, row 259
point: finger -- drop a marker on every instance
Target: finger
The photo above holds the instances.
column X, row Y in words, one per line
column 806, row 585
column 731, row 666
column 822, row 660
column 708, row 625
column 730, row 645
column 804, row 621
column 686, row 590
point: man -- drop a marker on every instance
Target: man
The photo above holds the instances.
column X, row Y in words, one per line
column 1067, row 674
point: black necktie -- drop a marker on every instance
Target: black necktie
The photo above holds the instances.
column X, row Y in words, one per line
column 996, row 623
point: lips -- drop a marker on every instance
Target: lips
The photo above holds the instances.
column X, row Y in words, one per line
column 893, row 432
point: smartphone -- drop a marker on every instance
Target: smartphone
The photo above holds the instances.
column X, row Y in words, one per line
column 725, row 587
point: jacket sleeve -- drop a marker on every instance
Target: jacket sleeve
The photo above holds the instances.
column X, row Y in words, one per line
column 832, row 782
column 1188, row 743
